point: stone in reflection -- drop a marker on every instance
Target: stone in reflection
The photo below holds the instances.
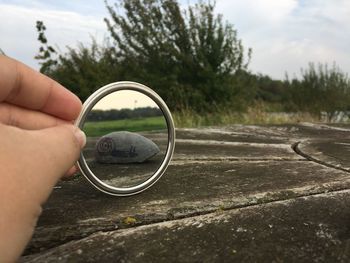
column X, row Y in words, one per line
column 124, row 147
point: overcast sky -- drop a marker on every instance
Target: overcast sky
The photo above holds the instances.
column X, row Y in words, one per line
column 284, row 34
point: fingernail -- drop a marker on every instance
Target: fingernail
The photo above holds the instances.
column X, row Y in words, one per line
column 81, row 137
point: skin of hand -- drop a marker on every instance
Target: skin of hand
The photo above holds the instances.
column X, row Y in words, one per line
column 38, row 145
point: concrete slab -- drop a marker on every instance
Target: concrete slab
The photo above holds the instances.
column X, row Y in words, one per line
column 264, row 168
column 306, row 229
column 330, row 152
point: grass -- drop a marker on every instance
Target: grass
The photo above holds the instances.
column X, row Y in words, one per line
column 257, row 114
column 100, row 128
column 190, row 119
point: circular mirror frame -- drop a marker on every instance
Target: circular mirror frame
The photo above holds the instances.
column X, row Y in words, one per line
column 87, row 107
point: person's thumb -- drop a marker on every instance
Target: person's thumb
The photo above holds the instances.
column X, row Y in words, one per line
column 59, row 150
column 37, row 159
column 33, row 161
column 31, row 164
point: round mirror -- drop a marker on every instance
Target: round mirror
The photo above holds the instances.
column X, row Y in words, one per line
column 130, row 138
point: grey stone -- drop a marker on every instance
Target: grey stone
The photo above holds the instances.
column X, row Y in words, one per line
column 124, row 147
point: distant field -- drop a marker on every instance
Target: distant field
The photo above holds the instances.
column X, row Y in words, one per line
column 99, row 128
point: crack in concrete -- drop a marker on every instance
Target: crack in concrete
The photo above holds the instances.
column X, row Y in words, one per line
column 298, row 151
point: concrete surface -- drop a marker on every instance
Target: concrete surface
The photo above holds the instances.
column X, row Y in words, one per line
column 232, row 194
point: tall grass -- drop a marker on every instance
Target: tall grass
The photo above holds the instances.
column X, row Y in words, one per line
column 258, row 114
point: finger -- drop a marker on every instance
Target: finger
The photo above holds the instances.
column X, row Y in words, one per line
column 27, row 119
column 44, row 156
column 25, row 87
column 63, row 145
column 72, row 171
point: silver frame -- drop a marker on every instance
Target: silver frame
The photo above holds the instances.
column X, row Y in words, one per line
column 89, row 104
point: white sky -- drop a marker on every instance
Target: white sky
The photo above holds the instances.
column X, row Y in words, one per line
column 285, row 35
column 125, row 99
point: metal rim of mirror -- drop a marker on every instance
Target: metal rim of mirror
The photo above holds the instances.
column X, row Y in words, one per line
column 87, row 107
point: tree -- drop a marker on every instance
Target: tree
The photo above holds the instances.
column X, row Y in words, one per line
column 86, row 68
column 321, row 89
column 83, row 69
column 190, row 57
column 46, row 52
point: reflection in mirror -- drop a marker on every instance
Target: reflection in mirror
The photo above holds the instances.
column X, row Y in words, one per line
column 127, row 138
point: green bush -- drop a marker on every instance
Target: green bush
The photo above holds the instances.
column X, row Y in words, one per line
column 321, row 90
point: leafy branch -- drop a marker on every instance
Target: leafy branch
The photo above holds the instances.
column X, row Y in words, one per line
column 46, row 52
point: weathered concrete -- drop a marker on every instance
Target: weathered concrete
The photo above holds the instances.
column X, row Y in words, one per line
column 313, row 228
column 334, row 153
column 245, row 193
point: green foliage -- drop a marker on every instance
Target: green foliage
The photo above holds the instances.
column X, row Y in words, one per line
column 83, row 69
column 321, row 89
column 133, row 125
column 270, row 90
column 189, row 57
column 197, row 64
column 46, row 52
column 86, row 68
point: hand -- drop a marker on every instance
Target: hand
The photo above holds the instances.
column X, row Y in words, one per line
column 38, row 145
